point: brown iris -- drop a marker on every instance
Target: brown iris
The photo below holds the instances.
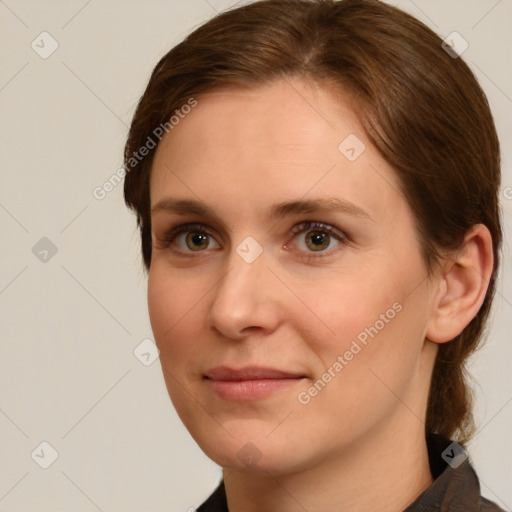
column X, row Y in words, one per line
column 318, row 239
column 197, row 238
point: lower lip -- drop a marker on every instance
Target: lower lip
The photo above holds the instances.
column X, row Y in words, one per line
column 250, row 389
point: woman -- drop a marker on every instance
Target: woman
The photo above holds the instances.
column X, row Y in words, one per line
column 316, row 186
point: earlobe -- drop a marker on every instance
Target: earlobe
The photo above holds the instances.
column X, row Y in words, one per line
column 463, row 286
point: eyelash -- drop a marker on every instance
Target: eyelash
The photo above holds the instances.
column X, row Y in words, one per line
column 305, row 226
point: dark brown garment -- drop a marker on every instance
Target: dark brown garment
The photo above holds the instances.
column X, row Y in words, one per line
column 455, row 489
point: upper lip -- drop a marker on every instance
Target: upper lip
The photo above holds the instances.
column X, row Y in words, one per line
column 249, row 373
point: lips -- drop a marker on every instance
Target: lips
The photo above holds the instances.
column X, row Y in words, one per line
column 250, row 383
column 226, row 373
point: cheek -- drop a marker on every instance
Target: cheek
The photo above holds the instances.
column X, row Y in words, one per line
column 177, row 316
column 369, row 360
column 371, row 316
column 350, row 308
column 174, row 304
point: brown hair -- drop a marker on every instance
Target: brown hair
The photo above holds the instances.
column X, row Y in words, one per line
column 422, row 108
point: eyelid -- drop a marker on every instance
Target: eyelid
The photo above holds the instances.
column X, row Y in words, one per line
column 320, row 226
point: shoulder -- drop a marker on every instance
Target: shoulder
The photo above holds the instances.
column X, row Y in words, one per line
column 490, row 506
column 216, row 502
column 456, row 486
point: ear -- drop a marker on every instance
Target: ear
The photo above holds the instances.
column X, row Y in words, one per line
column 462, row 286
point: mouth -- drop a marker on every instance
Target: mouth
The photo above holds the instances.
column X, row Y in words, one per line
column 251, row 382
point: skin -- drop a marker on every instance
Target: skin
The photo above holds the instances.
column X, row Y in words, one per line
column 358, row 445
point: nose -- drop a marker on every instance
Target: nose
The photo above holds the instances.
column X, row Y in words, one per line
column 246, row 299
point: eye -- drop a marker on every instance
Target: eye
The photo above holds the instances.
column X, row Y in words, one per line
column 318, row 237
column 189, row 238
column 195, row 237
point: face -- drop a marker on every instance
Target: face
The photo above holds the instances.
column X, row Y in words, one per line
column 328, row 288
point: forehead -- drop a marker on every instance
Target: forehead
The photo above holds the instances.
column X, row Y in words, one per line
column 288, row 115
column 288, row 138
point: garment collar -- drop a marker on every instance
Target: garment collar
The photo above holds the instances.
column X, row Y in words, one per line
column 455, row 487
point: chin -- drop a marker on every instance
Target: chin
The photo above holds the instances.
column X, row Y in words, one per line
column 253, row 450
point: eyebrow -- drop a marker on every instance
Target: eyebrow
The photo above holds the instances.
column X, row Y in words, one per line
column 191, row 206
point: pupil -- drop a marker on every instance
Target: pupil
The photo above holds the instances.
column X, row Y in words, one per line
column 198, row 239
column 318, row 239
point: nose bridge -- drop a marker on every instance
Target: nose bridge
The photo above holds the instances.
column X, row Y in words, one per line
column 243, row 297
column 246, row 265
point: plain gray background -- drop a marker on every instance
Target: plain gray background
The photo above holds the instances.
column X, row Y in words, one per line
column 70, row 321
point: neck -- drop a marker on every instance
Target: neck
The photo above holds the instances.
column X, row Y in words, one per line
column 386, row 473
